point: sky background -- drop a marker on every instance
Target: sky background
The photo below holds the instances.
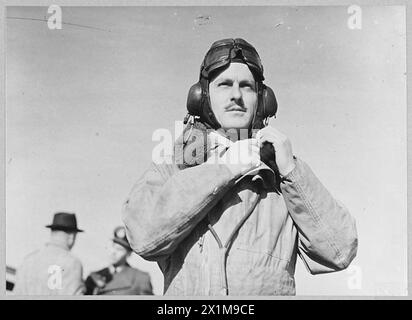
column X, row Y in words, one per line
column 83, row 102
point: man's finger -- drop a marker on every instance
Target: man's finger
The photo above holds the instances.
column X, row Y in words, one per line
column 220, row 150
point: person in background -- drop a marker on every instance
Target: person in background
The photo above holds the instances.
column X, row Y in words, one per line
column 119, row 278
column 53, row 270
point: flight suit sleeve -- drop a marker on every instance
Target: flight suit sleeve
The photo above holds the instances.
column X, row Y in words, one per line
column 167, row 203
column 327, row 236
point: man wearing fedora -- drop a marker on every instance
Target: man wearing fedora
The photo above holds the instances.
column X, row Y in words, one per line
column 53, row 270
column 119, row 278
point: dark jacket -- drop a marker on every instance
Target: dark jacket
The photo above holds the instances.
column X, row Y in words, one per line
column 128, row 281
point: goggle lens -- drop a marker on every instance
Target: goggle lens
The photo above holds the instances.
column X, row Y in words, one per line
column 222, row 52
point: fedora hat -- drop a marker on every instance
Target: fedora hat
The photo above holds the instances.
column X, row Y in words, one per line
column 64, row 221
column 120, row 238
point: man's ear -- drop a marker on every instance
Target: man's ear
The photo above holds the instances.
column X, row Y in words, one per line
column 72, row 237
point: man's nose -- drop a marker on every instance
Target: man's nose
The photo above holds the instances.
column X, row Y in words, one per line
column 236, row 93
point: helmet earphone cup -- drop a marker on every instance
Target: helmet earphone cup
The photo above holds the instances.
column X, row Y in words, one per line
column 268, row 105
column 194, row 100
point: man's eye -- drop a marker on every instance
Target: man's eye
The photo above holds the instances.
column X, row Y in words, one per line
column 224, row 84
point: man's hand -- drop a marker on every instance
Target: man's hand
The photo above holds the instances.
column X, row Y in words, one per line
column 240, row 157
column 283, row 148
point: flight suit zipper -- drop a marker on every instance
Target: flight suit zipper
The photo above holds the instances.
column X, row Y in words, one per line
column 223, row 249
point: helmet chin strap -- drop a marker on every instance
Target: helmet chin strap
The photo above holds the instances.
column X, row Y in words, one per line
column 252, row 124
column 265, row 121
